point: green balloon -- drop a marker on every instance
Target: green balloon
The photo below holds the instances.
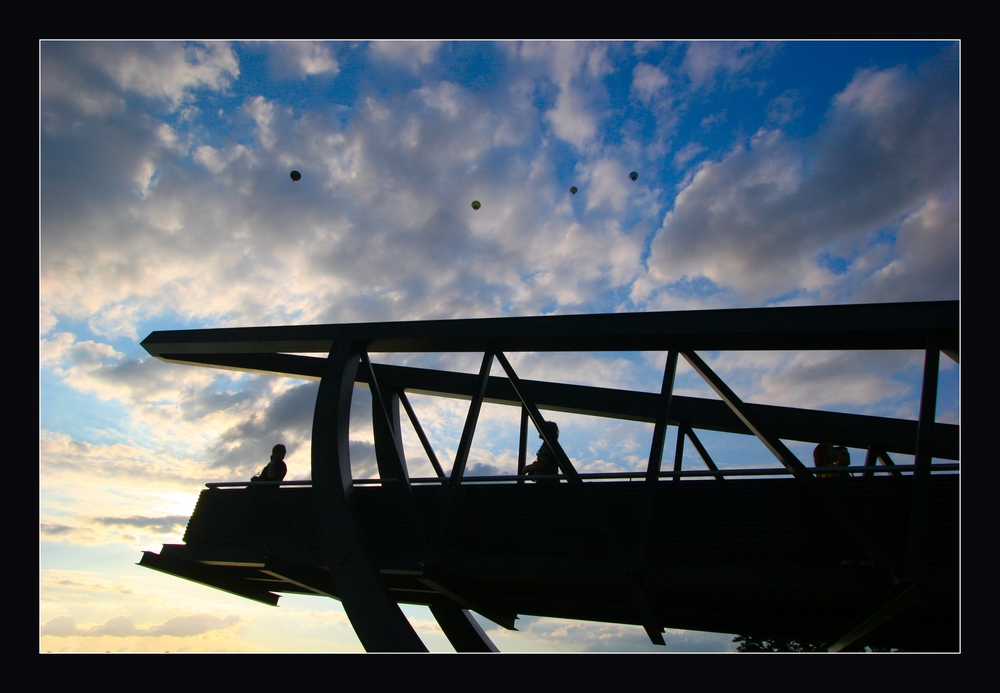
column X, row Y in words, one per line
column 475, row 204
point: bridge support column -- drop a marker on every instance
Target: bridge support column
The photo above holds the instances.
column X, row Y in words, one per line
column 375, row 616
column 463, row 632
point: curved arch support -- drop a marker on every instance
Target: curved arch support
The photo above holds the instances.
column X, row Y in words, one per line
column 375, row 616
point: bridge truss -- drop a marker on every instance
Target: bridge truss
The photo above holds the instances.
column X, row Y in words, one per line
column 748, row 568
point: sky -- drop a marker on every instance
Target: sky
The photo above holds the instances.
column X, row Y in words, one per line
column 769, row 174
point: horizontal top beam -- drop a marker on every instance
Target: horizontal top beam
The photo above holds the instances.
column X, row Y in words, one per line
column 866, row 326
column 853, row 430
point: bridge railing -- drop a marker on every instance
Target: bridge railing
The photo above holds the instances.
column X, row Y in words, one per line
column 901, row 469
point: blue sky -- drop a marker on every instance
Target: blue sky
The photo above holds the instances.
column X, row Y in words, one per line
column 798, row 173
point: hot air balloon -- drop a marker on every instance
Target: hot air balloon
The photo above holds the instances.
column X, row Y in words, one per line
column 475, row 204
column 573, row 191
column 295, row 176
column 633, row 175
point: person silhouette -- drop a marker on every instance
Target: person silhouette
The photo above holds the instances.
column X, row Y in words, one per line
column 276, row 468
column 545, row 459
column 829, row 455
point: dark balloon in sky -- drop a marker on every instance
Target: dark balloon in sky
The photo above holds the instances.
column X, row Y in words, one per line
column 296, row 176
column 633, row 175
column 475, row 204
column 572, row 191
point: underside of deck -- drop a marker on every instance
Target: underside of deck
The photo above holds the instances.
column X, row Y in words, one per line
column 748, row 556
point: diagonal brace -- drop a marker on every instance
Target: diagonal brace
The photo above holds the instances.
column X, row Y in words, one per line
column 793, row 465
column 633, row 587
column 421, row 435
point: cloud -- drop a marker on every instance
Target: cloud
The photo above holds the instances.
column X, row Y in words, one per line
column 303, row 59
column 412, row 54
column 706, row 62
column 686, row 153
column 60, row 626
column 576, row 70
column 757, row 220
column 164, row 71
column 91, row 531
column 648, row 82
column 557, row 634
column 158, row 525
column 785, row 108
column 124, row 626
column 284, row 417
column 872, row 382
column 194, row 624
column 925, row 264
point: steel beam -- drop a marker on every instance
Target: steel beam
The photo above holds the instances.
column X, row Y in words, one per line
column 308, row 579
column 868, row 326
column 655, row 458
column 207, row 575
column 463, row 631
column 461, row 458
column 522, row 445
column 706, row 458
column 679, row 450
column 876, row 454
column 900, row 598
column 377, row 619
column 852, row 430
column 386, row 430
column 469, row 432
column 922, row 462
column 794, row 466
column 633, row 586
column 421, row 435
column 389, row 443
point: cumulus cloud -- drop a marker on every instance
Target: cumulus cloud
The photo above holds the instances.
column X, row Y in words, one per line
column 557, row 635
column 124, row 626
column 648, row 81
column 866, row 382
column 925, row 262
column 165, row 71
column 159, row 525
column 303, row 59
column 757, row 220
column 576, row 69
column 412, row 54
column 706, row 62
column 285, row 417
column 92, row 531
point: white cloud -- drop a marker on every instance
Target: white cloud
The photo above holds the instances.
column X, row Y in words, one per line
column 707, row 61
column 577, row 70
column 412, row 54
column 167, row 71
column 686, row 153
column 263, row 113
column 608, row 184
column 648, row 81
column 757, row 220
column 303, row 58
column 215, row 160
column 924, row 264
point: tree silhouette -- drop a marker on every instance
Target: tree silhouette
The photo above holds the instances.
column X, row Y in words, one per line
column 754, row 643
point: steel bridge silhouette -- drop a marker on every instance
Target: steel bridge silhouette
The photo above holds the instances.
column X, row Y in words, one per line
column 870, row 557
